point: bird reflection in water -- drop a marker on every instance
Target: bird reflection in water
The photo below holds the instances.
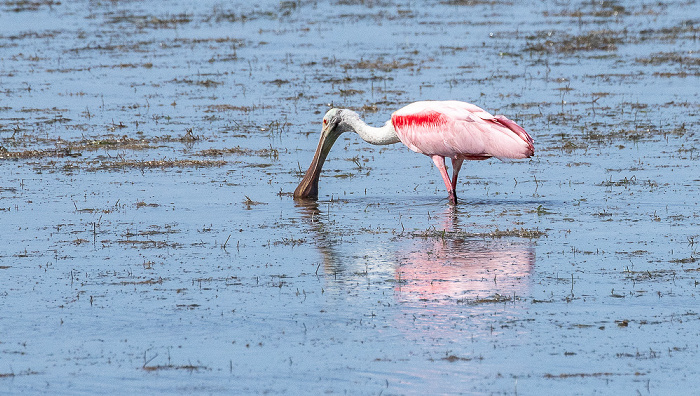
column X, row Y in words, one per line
column 449, row 263
column 456, row 265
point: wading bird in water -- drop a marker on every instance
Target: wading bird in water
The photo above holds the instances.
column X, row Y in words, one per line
column 438, row 129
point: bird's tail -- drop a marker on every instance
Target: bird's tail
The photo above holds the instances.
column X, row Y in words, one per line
column 520, row 132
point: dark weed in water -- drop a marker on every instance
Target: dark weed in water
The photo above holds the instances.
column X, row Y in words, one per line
column 268, row 153
column 186, row 367
column 154, row 164
column 560, row 42
column 149, row 154
column 379, row 64
column 462, row 235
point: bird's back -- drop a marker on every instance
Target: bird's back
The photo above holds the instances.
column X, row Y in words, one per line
column 460, row 130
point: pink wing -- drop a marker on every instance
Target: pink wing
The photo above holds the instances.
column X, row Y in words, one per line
column 460, row 130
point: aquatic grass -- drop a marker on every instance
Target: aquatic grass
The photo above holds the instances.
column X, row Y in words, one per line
column 228, row 107
column 19, row 374
column 155, row 164
column 152, row 281
column 378, row 64
column 28, row 154
column 208, row 83
column 587, row 375
column 249, row 202
column 495, row 234
column 186, row 367
column 65, row 148
column 216, row 152
column 564, row 43
column 150, row 21
column 495, row 298
column 659, row 58
column 142, row 204
column 148, row 243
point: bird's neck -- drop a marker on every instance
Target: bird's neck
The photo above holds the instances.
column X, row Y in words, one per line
column 381, row 136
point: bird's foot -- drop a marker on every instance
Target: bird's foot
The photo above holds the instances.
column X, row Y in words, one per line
column 452, row 195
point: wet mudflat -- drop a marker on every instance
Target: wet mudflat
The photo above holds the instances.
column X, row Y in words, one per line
column 150, row 242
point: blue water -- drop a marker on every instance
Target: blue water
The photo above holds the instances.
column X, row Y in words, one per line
column 161, row 280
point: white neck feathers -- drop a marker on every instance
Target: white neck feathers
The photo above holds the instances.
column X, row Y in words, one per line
column 380, row 136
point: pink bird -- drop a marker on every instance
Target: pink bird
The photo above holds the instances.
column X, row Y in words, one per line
column 438, row 129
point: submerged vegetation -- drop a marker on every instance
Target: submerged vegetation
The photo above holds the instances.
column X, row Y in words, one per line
column 149, row 157
column 462, row 235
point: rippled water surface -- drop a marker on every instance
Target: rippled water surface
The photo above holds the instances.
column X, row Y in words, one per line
column 148, row 153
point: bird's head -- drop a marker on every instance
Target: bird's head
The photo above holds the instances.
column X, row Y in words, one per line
column 331, row 122
column 333, row 126
column 339, row 121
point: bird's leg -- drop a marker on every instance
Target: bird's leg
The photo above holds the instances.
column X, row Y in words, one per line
column 440, row 163
column 456, row 166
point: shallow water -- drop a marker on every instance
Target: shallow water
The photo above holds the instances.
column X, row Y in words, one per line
column 151, row 243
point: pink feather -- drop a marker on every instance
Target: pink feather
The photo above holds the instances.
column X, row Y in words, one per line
column 460, row 130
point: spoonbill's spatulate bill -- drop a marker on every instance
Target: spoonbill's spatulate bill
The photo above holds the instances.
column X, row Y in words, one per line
column 438, row 129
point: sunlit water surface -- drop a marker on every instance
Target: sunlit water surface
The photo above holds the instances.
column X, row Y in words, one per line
column 151, row 244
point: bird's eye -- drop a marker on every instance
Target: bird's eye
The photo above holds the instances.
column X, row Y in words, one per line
column 325, row 122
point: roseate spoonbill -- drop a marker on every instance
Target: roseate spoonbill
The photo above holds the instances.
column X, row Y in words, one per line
column 438, row 129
